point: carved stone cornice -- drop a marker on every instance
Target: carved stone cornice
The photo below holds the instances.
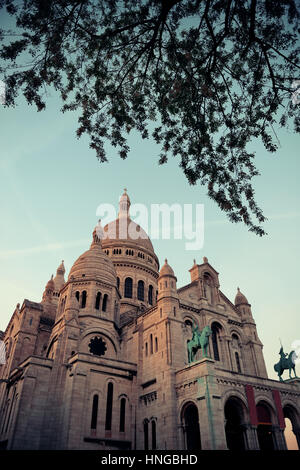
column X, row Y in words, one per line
column 149, row 397
column 235, row 322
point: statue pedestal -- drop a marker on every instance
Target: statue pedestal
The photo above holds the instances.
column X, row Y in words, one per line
column 205, row 364
column 294, row 380
column 208, row 397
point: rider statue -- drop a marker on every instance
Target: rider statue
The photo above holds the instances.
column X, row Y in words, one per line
column 195, row 331
column 287, row 361
column 199, row 341
column 283, row 355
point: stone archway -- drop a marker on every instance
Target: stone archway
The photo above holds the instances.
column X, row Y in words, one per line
column 234, row 424
column 264, row 427
column 291, row 413
column 191, row 428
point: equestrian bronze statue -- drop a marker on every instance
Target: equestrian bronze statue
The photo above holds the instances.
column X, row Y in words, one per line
column 199, row 340
column 285, row 363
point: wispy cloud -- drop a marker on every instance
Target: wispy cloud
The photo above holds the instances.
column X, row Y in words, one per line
column 43, row 248
column 284, row 215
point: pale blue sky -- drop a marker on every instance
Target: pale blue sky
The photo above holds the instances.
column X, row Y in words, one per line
column 52, row 183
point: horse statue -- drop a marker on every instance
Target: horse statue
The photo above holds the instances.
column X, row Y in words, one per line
column 199, row 340
column 285, row 363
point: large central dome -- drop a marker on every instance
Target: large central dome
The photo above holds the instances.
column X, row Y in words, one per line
column 133, row 256
column 125, row 231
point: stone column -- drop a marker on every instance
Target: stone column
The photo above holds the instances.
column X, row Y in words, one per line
column 91, row 298
column 228, row 352
column 209, row 408
column 250, row 436
column 182, row 436
column 278, row 438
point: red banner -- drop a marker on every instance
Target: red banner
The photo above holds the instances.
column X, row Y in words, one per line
column 280, row 415
column 251, row 404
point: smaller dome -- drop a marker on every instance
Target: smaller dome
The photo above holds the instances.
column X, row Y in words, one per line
column 49, row 289
column 240, row 298
column 94, row 263
column 50, row 284
column 61, row 268
column 166, row 270
column 59, row 280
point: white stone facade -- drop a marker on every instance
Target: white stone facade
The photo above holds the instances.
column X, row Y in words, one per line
column 101, row 362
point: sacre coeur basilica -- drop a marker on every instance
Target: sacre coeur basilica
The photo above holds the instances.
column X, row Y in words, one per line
column 111, row 358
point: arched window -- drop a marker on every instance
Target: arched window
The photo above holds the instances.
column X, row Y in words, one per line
column 104, row 303
column 83, row 299
column 62, row 305
column 150, row 295
column 77, row 295
column 98, row 300
column 128, row 288
column 140, row 290
column 215, row 327
column 94, row 412
column 146, row 435
column 109, row 403
column 122, row 414
column 153, row 431
column 156, row 345
column 146, row 349
column 237, row 359
column 151, row 344
column 118, row 282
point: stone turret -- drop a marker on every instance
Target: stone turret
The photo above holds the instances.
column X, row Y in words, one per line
column 167, row 299
column 48, row 292
column 167, row 282
column 207, row 279
column 59, row 280
column 242, row 304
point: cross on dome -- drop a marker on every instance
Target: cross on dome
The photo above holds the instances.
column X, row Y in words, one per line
column 124, row 204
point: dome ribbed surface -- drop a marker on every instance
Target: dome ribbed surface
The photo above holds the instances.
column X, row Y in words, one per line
column 95, row 264
column 240, row 298
column 123, row 230
column 166, row 270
